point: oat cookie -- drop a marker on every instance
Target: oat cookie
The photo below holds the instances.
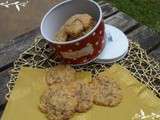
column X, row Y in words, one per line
column 60, row 73
column 84, row 95
column 61, row 35
column 106, row 92
column 74, row 29
column 76, row 26
column 58, row 103
column 86, row 20
column 43, row 102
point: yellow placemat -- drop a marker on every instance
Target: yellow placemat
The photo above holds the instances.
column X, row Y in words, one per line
column 138, row 103
column 24, row 100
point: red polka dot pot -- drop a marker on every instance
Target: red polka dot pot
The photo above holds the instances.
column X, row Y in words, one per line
column 84, row 49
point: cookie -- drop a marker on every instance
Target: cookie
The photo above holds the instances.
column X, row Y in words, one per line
column 61, row 35
column 74, row 29
column 106, row 92
column 86, row 20
column 77, row 24
column 43, row 102
column 60, row 73
column 56, row 116
column 84, row 95
column 58, row 102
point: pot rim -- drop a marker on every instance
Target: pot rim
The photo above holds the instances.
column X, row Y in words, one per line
column 75, row 40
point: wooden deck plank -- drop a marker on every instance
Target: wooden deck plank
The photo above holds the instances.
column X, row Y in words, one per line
column 108, row 10
column 1, row 112
column 14, row 23
column 121, row 21
column 156, row 54
column 146, row 37
column 12, row 51
column 2, row 107
column 4, row 78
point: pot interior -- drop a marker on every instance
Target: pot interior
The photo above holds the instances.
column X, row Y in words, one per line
column 58, row 15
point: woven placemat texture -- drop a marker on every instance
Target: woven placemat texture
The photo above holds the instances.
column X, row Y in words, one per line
column 40, row 55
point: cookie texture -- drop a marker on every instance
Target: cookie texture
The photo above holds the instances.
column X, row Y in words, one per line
column 59, row 74
column 76, row 26
column 67, row 94
column 61, row 35
column 106, row 92
column 44, row 106
column 84, row 95
column 58, row 103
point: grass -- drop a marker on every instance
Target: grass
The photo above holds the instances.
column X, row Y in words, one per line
column 144, row 11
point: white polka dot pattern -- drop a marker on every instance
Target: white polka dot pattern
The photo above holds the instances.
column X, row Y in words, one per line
column 94, row 33
column 77, row 44
column 69, row 50
column 97, row 43
column 100, row 32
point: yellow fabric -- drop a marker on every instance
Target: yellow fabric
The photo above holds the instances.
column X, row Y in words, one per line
column 24, row 100
column 85, row 76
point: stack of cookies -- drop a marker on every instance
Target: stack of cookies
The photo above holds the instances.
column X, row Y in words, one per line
column 75, row 27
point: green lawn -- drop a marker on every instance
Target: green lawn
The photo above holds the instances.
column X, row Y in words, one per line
column 145, row 11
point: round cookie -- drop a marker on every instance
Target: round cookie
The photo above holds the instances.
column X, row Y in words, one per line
column 61, row 35
column 43, row 102
column 56, row 116
column 59, row 103
column 106, row 92
column 76, row 26
column 60, row 73
column 84, row 95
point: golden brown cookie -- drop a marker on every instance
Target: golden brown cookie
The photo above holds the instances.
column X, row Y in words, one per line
column 61, row 35
column 43, row 102
column 106, row 92
column 60, row 73
column 86, row 20
column 77, row 24
column 84, row 95
column 56, row 116
column 74, row 29
column 58, row 102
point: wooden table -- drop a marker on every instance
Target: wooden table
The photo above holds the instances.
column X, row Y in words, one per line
column 146, row 37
